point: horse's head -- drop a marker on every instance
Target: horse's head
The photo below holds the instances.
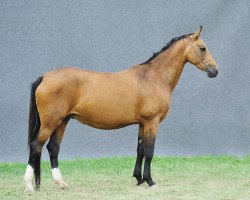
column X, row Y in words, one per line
column 197, row 53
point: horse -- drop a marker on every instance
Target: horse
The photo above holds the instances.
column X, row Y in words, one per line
column 139, row 95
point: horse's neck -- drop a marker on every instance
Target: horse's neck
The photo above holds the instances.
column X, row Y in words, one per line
column 169, row 65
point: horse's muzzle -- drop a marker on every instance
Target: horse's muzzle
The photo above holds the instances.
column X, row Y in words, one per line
column 212, row 72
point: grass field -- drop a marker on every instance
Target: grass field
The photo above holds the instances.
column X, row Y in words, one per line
column 111, row 178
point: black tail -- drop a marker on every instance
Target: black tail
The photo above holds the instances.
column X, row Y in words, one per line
column 34, row 126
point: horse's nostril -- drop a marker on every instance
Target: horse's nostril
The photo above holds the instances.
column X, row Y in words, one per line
column 212, row 72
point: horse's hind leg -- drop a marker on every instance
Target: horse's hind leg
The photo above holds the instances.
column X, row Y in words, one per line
column 34, row 158
column 53, row 148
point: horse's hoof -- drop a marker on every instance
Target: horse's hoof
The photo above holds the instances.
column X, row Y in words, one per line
column 153, row 187
column 29, row 189
column 140, row 183
column 63, row 185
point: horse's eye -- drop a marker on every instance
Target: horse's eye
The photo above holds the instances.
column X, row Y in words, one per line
column 203, row 49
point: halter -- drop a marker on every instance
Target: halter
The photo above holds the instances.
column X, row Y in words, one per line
column 202, row 60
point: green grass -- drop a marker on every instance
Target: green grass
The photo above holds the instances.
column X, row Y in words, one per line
column 111, row 178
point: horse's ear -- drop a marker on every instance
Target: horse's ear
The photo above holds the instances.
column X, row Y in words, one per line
column 197, row 33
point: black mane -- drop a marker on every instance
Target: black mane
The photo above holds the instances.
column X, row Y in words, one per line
column 169, row 44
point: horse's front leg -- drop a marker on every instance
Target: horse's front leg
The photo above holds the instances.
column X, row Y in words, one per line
column 140, row 155
column 150, row 131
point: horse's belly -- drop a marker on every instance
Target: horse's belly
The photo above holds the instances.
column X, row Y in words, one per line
column 107, row 117
column 104, row 122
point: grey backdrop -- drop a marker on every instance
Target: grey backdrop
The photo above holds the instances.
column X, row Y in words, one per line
column 208, row 116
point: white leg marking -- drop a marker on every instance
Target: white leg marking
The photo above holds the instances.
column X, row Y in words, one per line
column 28, row 179
column 57, row 177
column 56, row 174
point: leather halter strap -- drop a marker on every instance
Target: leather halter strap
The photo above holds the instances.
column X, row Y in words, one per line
column 202, row 60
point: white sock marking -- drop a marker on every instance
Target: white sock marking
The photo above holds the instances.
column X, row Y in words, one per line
column 56, row 174
column 28, row 178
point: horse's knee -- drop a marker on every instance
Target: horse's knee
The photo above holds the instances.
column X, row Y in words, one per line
column 140, row 148
column 149, row 152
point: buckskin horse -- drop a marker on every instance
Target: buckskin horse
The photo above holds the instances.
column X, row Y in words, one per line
column 139, row 95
